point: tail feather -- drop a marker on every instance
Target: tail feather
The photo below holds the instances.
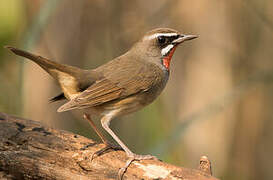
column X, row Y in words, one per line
column 45, row 63
column 58, row 98
column 71, row 79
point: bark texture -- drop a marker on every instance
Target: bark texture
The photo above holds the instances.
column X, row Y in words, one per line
column 28, row 150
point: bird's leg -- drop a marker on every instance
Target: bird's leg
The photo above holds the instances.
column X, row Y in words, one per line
column 108, row 145
column 105, row 121
column 87, row 117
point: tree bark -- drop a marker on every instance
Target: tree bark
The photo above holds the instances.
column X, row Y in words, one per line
column 28, row 150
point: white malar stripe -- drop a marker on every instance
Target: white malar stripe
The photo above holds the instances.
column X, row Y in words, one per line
column 166, row 49
column 160, row 34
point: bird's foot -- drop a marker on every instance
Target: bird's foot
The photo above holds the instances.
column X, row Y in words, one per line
column 133, row 157
column 108, row 146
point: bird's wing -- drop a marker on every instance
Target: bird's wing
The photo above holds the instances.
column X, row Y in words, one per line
column 116, row 84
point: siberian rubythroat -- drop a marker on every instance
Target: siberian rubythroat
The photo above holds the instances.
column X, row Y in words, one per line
column 121, row 86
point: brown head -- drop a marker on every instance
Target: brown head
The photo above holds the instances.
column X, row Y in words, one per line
column 158, row 45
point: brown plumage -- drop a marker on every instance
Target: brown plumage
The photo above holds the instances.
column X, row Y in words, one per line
column 121, row 86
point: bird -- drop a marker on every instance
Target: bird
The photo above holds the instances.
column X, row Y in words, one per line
column 119, row 87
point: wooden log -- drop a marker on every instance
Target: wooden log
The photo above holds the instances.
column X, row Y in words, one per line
column 28, row 150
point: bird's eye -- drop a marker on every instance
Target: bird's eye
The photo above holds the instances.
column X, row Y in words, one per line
column 161, row 39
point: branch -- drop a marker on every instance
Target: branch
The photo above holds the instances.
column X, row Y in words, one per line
column 29, row 150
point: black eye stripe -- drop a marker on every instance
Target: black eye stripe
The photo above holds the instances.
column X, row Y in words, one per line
column 166, row 39
column 161, row 39
column 173, row 37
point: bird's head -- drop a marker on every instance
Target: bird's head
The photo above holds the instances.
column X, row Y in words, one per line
column 160, row 44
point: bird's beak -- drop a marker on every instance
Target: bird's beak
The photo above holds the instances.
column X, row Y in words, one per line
column 183, row 38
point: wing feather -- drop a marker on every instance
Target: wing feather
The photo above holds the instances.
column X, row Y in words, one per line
column 115, row 85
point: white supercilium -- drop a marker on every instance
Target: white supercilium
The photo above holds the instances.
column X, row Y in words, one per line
column 160, row 34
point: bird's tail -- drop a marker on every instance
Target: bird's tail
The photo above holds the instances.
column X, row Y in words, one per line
column 69, row 77
column 45, row 63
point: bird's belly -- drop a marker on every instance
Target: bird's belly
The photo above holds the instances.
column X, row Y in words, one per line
column 130, row 104
column 126, row 105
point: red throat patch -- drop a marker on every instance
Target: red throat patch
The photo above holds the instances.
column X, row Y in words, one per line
column 168, row 58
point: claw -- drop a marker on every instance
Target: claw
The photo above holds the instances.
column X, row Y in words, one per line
column 132, row 158
column 123, row 170
column 105, row 149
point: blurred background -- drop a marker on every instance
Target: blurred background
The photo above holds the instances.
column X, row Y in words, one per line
column 218, row 101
